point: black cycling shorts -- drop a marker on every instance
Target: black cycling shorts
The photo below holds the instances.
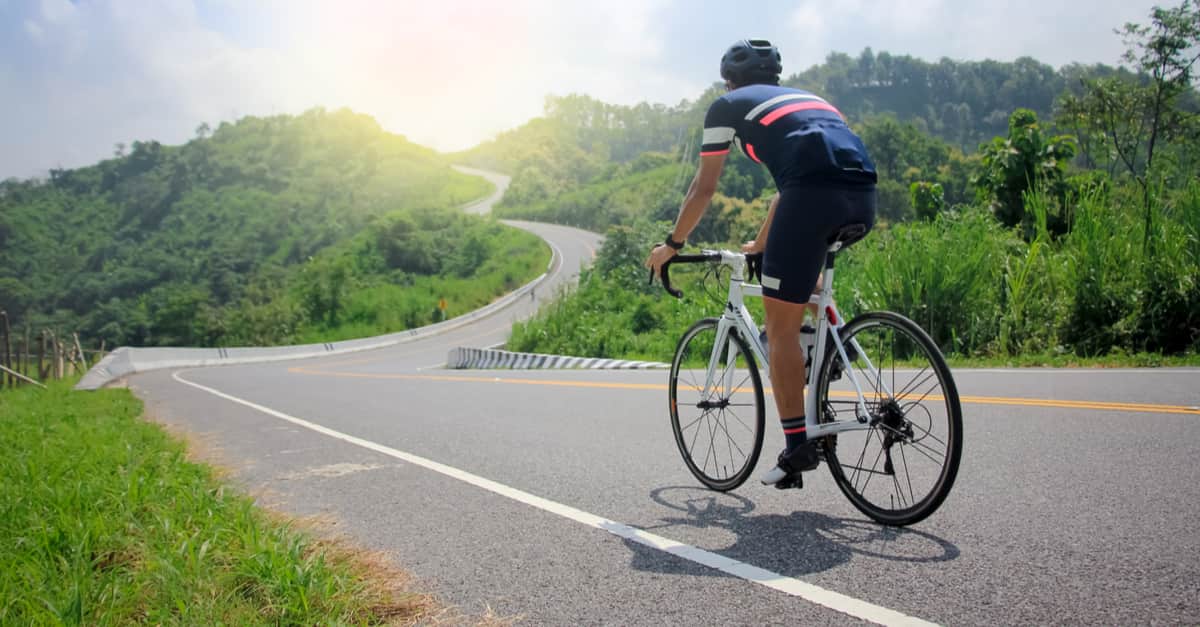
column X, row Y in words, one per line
column 805, row 219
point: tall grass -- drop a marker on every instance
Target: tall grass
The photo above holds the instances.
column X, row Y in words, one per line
column 946, row 275
column 979, row 289
column 1103, row 255
column 1169, row 314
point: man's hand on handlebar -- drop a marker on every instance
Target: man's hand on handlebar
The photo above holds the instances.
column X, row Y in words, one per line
column 754, row 247
column 660, row 255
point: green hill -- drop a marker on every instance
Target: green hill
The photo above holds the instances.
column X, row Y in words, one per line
column 1023, row 210
column 925, row 121
column 262, row 231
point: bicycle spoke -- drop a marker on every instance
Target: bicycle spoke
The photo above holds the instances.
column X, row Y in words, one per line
column 917, row 445
column 896, row 483
column 874, row 464
column 879, row 368
column 910, row 385
column 739, row 419
column 729, row 436
column 739, row 385
column 880, row 455
column 711, row 451
column 936, row 384
column 692, row 446
column 861, row 457
column 692, row 382
column 866, row 470
column 871, row 378
column 689, row 425
column 936, row 457
column 928, row 433
column 908, row 477
column 731, row 445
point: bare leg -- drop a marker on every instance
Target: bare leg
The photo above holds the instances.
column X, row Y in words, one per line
column 784, row 320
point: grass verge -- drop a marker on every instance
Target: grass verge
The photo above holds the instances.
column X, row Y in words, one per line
column 103, row 520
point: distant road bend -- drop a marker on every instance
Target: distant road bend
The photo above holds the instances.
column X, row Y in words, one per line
column 558, row 496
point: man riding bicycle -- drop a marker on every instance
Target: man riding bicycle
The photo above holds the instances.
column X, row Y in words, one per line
column 825, row 180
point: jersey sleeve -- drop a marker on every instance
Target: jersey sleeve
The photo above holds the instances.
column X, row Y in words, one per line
column 719, row 128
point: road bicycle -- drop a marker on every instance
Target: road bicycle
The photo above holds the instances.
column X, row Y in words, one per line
column 882, row 408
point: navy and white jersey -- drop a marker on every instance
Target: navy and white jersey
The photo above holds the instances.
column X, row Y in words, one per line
column 800, row 137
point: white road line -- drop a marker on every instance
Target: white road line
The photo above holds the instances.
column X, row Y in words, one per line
column 789, row 585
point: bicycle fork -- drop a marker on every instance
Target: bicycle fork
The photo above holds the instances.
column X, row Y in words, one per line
column 720, row 384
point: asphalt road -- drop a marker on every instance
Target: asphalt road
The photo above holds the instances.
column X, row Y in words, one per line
column 559, row 496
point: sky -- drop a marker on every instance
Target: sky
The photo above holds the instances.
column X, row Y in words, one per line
column 78, row 77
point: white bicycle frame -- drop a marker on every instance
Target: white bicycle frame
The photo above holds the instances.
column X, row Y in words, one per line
column 828, row 319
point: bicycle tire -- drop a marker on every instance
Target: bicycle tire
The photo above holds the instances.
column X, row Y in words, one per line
column 907, row 417
column 717, row 414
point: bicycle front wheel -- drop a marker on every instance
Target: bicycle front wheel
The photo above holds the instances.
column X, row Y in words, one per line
column 901, row 465
column 718, row 421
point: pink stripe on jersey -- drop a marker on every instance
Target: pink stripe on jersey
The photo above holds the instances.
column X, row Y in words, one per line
column 714, row 152
column 799, row 106
column 750, row 152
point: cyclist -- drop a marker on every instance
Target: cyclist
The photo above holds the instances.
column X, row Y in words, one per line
column 825, row 180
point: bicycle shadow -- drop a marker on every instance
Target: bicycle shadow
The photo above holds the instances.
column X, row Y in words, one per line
column 796, row 544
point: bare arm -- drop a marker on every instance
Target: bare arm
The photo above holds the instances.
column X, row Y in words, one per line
column 759, row 243
column 699, row 193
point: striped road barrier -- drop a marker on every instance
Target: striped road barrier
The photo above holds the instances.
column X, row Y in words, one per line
column 490, row 358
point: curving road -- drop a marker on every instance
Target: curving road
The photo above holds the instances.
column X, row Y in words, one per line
column 559, row 497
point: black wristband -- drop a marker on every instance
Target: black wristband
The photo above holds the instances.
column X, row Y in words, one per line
column 672, row 243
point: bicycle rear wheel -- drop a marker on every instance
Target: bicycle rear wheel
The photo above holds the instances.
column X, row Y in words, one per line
column 900, row 467
column 719, row 431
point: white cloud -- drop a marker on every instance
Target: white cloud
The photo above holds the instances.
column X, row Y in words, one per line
column 1053, row 31
column 448, row 73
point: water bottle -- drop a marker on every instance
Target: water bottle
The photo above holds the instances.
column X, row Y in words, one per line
column 808, row 339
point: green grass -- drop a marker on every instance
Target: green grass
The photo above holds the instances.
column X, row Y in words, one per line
column 104, row 521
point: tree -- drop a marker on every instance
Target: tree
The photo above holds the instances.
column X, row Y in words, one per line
column 1023, row 161
column 1136, row 116
column 928, row 199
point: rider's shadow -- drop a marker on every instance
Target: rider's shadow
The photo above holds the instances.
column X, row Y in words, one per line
column 792, row 545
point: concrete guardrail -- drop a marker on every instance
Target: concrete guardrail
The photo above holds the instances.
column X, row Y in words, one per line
column 125, row 361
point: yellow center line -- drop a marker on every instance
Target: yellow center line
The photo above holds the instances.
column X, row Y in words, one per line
column 967, row 399
column 470, row 379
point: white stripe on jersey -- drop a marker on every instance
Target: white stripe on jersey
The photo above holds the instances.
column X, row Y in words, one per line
column 717, row 135
column 778, row 99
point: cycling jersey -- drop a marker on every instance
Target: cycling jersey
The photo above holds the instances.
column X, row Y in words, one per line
column 800, row 137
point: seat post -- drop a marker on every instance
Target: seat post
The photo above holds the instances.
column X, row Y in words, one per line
column 829, row 256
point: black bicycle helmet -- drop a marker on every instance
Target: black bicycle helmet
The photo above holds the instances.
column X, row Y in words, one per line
column 751, row 61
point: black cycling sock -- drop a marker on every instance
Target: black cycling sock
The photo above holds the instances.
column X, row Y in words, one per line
column 794, row 431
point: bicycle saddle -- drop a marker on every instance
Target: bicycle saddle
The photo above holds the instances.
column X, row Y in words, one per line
column 847, row 234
